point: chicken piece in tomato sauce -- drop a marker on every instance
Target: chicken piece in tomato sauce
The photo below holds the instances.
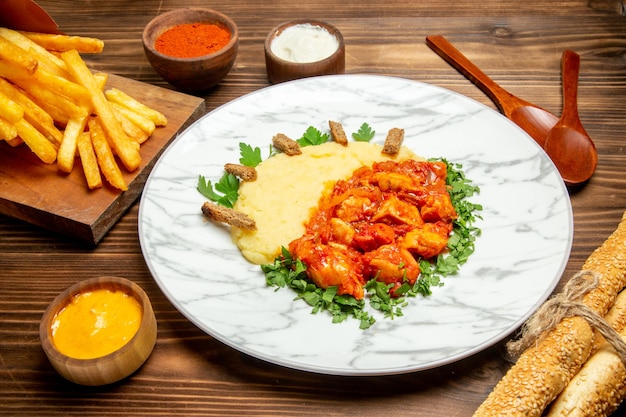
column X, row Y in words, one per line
column 331, row 265
column 391, row 264
column 378, row 224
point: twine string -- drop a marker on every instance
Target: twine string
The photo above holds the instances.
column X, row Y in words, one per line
column 568, row 303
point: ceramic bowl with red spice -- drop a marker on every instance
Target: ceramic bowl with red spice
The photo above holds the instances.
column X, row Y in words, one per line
column 193, row 49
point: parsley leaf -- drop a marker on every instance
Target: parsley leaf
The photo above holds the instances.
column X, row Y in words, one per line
column 228, row 186
column 312, row 137
column 249, row 157
column 206, row 189
column 364, row 134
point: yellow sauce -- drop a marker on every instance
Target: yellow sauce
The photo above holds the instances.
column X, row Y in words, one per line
column 96, row 323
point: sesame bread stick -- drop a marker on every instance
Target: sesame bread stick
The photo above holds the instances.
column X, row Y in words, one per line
column 544, row 370
column 599, row 388
column 616, row 317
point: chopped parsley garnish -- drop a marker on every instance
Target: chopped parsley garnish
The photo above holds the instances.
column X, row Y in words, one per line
column 381, row 300
column 312, row 137
column 461, row 242
column 364, row 134
column 289, row 272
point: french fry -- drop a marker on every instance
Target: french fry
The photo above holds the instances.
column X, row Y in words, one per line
column 57, row 84
column 67, row 151
column 63, row 43
column 89, row 161
column 15, row 142
column 46, row 59
column 101, row 79
column 143, row 123
column 38, row 91
column 34, row 114
column 63, row 86
column 36, row 141
column 15, row 55
column 7, row 130
column 10, row 110
column 130, row 128
column 126, row 149
column 104, row 154
column 117, row 96
column 58, row 115
column 45, row 97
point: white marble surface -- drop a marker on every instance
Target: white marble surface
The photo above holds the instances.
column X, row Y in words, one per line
column 527, row 229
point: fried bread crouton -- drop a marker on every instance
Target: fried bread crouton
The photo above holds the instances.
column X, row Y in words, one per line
column 244, row 172
column 393, row 141
column 286, row 145
column 337, row 132
column 228, row 215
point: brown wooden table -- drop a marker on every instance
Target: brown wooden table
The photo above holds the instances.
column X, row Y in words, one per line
column 189, row 373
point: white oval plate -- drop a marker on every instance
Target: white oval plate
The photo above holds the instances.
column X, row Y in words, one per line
column 527, row 229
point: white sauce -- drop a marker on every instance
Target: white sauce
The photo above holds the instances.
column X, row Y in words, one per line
column 304, row 43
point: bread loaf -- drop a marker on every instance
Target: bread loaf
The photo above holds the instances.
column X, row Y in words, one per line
column 599, row 387
column 545, row 369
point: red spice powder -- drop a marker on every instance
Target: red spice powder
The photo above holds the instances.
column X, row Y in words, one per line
column 191, row 40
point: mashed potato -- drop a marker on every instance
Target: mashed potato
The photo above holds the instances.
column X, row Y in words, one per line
column 288, row 188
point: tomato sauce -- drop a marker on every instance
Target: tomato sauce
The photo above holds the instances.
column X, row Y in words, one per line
column 378, row 224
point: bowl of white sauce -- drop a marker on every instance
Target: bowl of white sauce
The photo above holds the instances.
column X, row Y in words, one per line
column 304, row 48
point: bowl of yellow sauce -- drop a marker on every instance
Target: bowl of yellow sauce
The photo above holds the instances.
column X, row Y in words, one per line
column 99, row 331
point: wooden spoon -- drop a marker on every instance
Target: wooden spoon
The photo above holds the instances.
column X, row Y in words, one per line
column 568, row 142
column 536, row 121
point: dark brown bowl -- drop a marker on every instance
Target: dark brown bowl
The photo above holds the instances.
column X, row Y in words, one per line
column 279, row 70
column 191, row 74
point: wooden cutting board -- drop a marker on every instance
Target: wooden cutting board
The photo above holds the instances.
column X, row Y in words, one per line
column 39, row 194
